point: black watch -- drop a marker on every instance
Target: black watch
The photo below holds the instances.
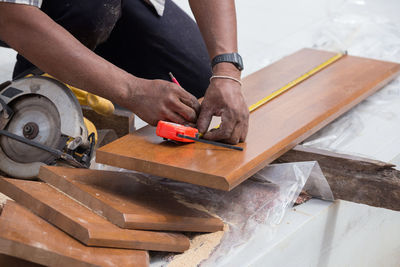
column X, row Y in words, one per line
column 233, row 58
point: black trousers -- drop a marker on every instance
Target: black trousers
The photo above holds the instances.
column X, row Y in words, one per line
column 131, row 35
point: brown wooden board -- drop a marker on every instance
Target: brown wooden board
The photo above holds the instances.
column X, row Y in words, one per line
column 273, row 129
column 26, row 236
column 127, row 202
column 83, row 224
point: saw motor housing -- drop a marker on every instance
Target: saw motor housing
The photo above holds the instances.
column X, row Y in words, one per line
column 43, row 110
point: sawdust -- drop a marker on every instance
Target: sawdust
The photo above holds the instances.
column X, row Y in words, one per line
column 200, row 249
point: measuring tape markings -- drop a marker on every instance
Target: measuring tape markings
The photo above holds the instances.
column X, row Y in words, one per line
column 296, row 82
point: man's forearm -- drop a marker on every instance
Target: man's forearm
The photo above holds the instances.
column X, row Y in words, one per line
column 217, row 23
column 54, row 50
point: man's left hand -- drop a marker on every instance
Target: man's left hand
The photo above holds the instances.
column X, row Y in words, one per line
column 224, row 98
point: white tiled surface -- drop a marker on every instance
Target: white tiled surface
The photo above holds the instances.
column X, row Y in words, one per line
column 322, row 234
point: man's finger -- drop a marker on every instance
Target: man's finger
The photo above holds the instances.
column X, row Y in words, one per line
column 191, row 102
column 173, row 117
column 244, row 132
column 236, row 134
column 188, row 99
column 188, row 113
column 204, row 119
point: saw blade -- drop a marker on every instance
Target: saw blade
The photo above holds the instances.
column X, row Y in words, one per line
column 35, row 118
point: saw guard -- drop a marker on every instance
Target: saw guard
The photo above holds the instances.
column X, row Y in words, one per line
column 19, row 170
column 71, row 117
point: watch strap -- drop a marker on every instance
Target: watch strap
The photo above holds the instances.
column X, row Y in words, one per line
column 233, row 58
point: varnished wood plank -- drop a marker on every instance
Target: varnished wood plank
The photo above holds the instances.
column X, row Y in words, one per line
column 273, row 129
column 127, row 202
column 26, row 236
column 83, row 224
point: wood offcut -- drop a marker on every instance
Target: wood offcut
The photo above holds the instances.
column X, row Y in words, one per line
column 273, row 128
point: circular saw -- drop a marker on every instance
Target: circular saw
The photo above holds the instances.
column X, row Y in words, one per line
column 41, row 123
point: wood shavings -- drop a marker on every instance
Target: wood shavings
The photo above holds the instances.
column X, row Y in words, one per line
column 200, row 249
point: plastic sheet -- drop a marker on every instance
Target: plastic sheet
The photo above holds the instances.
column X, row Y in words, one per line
column 257, row 205
column 371, row 128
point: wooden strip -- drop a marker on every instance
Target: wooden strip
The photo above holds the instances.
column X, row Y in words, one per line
column 273, row 129
column 352, row 178
column 127, row 202
column 26, row 236
column 83, row 224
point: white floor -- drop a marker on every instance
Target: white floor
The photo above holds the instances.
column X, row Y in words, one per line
column 322, row 234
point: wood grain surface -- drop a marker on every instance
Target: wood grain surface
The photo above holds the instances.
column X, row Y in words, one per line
column 125, row 200
column 83, row 224
column 26, row 236
column 273, row 129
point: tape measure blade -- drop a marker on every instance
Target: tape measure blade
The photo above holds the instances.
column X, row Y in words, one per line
column 295, row 82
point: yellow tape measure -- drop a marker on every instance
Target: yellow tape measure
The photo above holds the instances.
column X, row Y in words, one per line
column 296, row 81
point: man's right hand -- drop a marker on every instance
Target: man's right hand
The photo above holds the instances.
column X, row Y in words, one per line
column 154, row 100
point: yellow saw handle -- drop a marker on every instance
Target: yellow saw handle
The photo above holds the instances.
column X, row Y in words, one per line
column 99, row 104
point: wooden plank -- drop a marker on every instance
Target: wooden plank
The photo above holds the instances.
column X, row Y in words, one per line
column 26, row 236
column 83, row 224
column 353, row 178
column 273, row 129
column 127, row 202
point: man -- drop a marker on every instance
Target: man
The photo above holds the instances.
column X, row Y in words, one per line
column 123, row 50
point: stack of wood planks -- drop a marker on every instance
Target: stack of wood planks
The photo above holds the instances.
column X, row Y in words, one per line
column 94, row 218
column 76, row 217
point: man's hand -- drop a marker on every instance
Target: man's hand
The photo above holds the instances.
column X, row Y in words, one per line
column 224, row 98
column 154, row 100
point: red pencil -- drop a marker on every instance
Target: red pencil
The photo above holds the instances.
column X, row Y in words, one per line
column 174, row 80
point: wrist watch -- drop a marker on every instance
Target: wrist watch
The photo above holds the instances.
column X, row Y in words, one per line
column 233, row 58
